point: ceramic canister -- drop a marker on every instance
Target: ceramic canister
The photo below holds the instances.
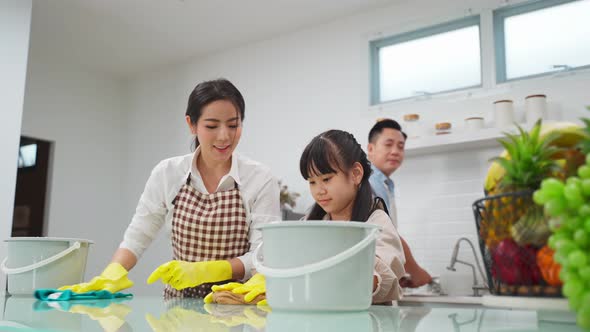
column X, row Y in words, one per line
column 536, row 108
column 474, row 123
column 503, row 113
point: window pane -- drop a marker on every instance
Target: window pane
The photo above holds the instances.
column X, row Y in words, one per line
column 552, row 36
column 441, row 62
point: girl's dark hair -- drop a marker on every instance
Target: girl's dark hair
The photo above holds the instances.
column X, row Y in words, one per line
column 338, row 150
column 210, row 91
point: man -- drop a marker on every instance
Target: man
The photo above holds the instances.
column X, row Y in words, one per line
column 386, row 153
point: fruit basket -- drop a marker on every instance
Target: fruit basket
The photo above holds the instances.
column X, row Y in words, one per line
column 513, row 233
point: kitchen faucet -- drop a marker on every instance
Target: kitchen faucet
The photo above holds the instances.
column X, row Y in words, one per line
column 455, row 260
column 421, row 94
column 563, row 67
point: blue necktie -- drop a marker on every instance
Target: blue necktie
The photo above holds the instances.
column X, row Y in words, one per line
column 390, row 186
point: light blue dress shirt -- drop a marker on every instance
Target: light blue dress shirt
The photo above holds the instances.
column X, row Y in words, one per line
column 383, row 187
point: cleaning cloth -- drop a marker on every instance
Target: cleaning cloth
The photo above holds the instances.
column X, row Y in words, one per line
column 49, row 294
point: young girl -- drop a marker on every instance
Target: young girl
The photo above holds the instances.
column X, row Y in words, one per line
column 338, row 171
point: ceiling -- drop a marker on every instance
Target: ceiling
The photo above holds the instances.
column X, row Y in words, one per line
column 126, row 37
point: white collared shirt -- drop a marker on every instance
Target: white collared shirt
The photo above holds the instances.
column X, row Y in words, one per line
column 260, row 193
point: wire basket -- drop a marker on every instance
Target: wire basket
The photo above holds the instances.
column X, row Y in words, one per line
column 511, row 228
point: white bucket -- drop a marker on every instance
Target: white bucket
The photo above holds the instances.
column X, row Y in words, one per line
column 318, row 265
column 42, row 262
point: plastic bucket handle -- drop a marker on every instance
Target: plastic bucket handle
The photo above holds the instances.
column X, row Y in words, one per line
column 313, row 267
column 39, row 264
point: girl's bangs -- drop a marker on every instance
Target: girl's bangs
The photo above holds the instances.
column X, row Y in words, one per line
column 318, row 158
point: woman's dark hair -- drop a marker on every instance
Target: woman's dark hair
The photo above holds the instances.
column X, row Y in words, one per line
column 210, row 91
column 338, row 150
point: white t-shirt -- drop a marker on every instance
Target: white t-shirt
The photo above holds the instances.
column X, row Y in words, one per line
column 389, row 260
column 259, row 189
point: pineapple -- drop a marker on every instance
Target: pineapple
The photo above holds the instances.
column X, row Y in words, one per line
column 527, row 163
column 530, row 159
column 569, row 157
column 585, row 144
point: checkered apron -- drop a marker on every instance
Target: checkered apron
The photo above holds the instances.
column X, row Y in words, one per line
column 207, row 227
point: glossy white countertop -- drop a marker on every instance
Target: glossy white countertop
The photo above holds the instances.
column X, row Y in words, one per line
column 143, row 313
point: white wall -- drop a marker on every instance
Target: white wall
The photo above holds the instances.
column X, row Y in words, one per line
column 15, row 23
column 82, row 114
column 108, row 135
column 300, row 84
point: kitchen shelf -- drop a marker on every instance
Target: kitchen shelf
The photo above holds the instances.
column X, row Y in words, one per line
column 455, row 141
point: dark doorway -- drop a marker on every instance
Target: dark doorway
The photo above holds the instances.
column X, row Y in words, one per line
column 31, row 187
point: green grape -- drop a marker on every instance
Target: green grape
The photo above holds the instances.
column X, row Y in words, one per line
column 584, row 273
column 573, row 195
column 575, row 202
column 583, row 316
column 560, row 258
column 555, row 206
column 573, row 224
column 554, row 224
column 572, row 190
column 565, row 247
column 581, row 237
column 572, row 287
column 564, row 232
column 584, row 311
column 564, row 274
column 560, row 234
column 552, row 187
column 575, row 301
column 540, row 197
column 552, row 239
column 573, row 180
column 569, row 205
column 584, row 171
column 577, row 258
column 584, row 210
column 586, row 187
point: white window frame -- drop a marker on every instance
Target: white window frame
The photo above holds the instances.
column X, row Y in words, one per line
column 499, row 16
column 376, row 45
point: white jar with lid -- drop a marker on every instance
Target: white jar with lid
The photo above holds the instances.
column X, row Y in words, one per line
column 503, row 113
column 536, row 108
column 442, row 128
column 412, row 126
column 474, row 123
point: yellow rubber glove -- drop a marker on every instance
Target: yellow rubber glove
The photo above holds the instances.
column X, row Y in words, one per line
column 113, row 279
column 232, row 315
column 252, row 288
column 180, row 319
column 181, row 274
column 110, row 318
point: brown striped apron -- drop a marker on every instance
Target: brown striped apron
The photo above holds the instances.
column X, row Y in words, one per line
column 207, row 227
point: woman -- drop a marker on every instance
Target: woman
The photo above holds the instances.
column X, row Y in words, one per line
column 212, row 199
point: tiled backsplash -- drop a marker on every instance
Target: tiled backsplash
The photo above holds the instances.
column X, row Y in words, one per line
column 434, row 195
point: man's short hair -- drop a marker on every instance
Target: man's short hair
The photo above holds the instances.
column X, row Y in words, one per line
column 382, row 124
